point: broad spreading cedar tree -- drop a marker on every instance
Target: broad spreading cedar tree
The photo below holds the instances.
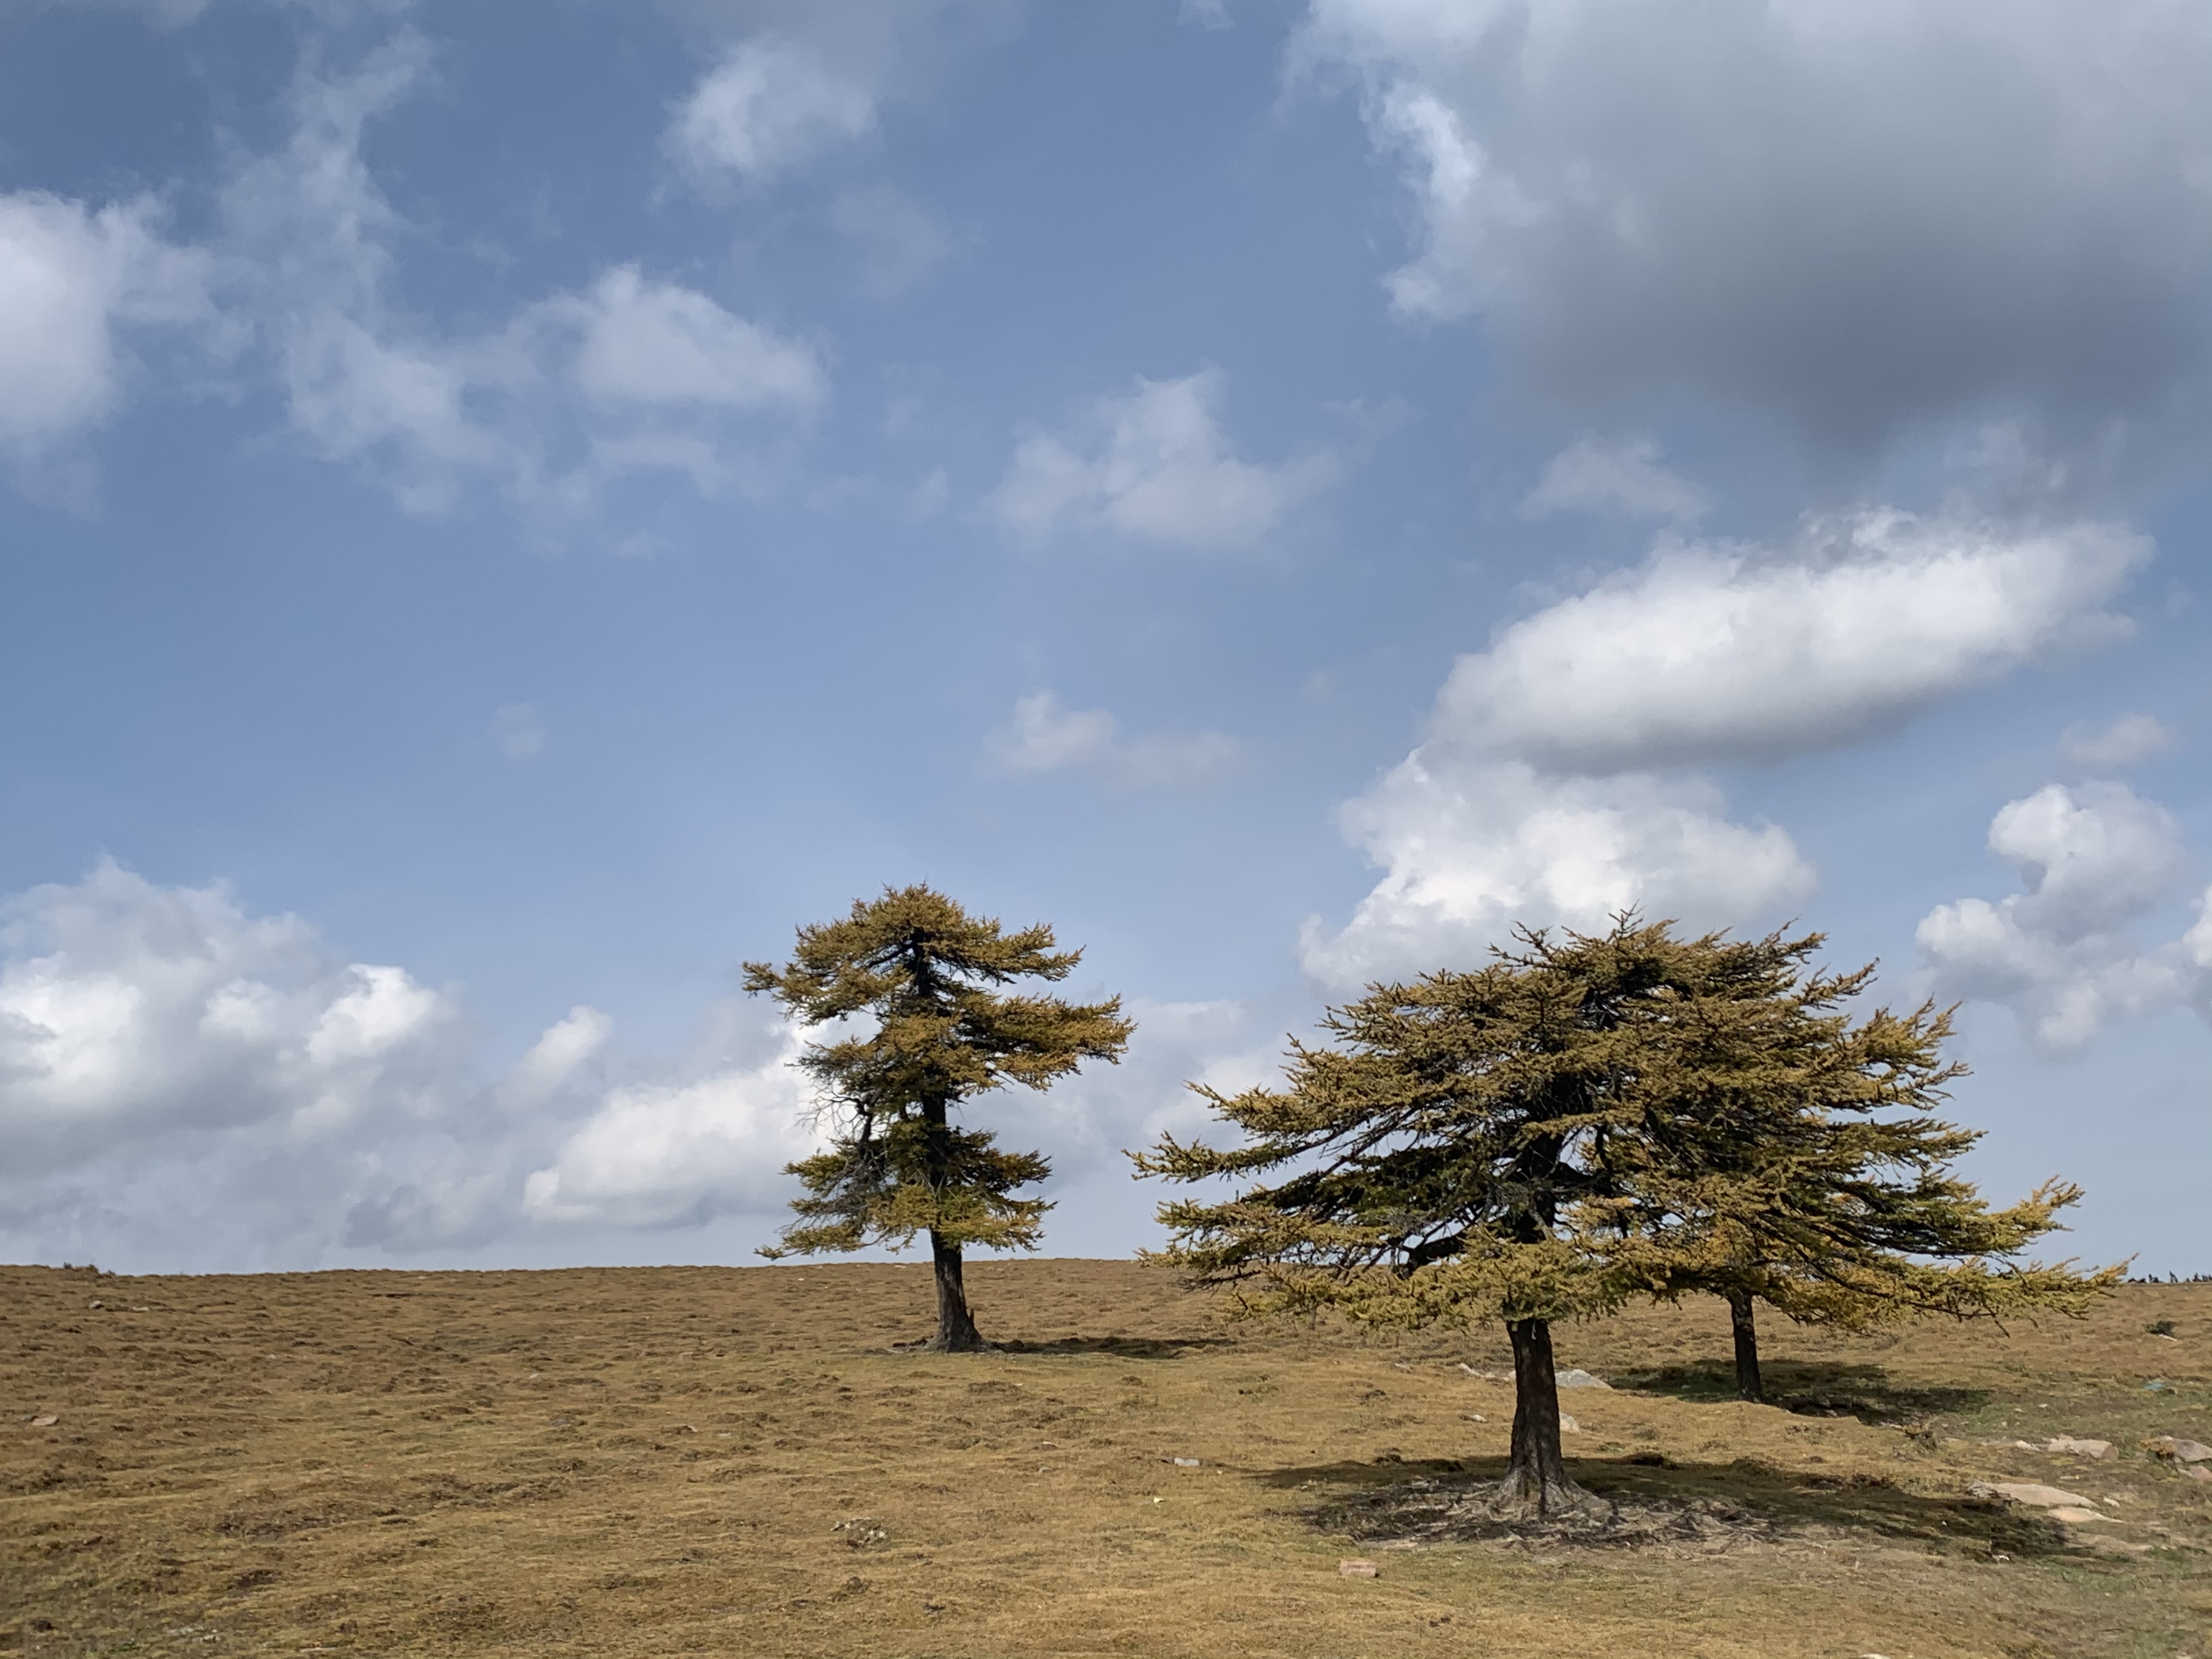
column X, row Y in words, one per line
column 1587, row 1119
column 922, row 981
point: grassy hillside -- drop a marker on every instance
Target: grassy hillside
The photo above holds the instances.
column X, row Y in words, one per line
column 734, row 1461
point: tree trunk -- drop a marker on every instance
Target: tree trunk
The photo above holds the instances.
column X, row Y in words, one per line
column 956, row 1326
column 1748, row 1385
column 1536, row 1483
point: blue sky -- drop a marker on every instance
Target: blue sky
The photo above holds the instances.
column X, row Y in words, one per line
column 509, row 511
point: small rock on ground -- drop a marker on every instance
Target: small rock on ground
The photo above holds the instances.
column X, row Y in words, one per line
column 1579, row 1378
column 2096, row 1449
column 1356, row 1569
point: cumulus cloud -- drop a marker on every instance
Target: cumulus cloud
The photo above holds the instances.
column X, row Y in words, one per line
column 1621, row 477
column 630, row 374
column 642, row 342
column 1470, row 847
column 187, row 1082
column 564, row 1049
column 1156, row 465
column 1552, row 785
column 1856, row 216
column 2096, row 859
column 769, row 104
column 1046, row 736
column 75, row 282
column 662, row 1154
column 132, row 1014
column 1714, row 651
column 2128, row 741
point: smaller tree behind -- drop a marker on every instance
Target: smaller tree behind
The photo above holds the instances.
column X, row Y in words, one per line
column 1795, row 1159
column 928, row 974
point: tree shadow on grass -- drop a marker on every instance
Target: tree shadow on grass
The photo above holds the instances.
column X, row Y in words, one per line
column 1660, row 1501
column 1865, row 1392
column 1120, row 1347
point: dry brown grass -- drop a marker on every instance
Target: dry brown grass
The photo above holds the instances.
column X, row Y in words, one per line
column 732, row 1461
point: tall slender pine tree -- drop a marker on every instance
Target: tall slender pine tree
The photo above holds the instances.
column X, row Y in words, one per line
column 922, row 978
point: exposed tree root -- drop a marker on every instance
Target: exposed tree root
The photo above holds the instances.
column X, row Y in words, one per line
column 1458, row 1512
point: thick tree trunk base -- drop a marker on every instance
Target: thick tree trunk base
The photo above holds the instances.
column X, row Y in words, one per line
column 1529, row 1498
column 956, row 1326
column 1536, row 1486
column 1744, row 1327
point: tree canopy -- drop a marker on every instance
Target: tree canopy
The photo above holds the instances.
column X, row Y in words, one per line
column 1590, row 1119
column 915, row 982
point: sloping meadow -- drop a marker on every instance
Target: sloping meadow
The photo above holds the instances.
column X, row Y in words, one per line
column 737, row 1459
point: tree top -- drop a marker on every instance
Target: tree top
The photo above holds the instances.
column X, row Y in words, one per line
column 911, row 941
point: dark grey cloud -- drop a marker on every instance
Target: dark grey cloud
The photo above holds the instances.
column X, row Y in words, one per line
column 1856, row 218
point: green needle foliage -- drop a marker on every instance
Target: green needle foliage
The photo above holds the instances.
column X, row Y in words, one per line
column 1592, row 1118
column 1797, row 1160
column 919, row 977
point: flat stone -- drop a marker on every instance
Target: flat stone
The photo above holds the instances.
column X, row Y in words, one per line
column 2096, row 1449
column 1568, row 1426
column 2074, row 1516
column 1356, row 1569
column 2035, row 1496
column 2197, row 1472
column 46, row 1420
column 1579, row 1378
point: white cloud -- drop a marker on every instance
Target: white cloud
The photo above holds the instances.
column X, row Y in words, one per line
column 1045, row 736
column 1160, row 470
column 565, row 1048
column 662, row 1154
column 1093, row 1119
column 1858, row 215
column 2128, row 741
column 2095, row 859
column 768, row 106
column 191, row 1085
column 657, row 343
column 1471, row 847
column 1622, row 478
column 71, row 280
column 519, row 730
column 1550, row 788
column 1712, row 652
column 632, row 375
column 132, row 1014
column 1204, row 14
